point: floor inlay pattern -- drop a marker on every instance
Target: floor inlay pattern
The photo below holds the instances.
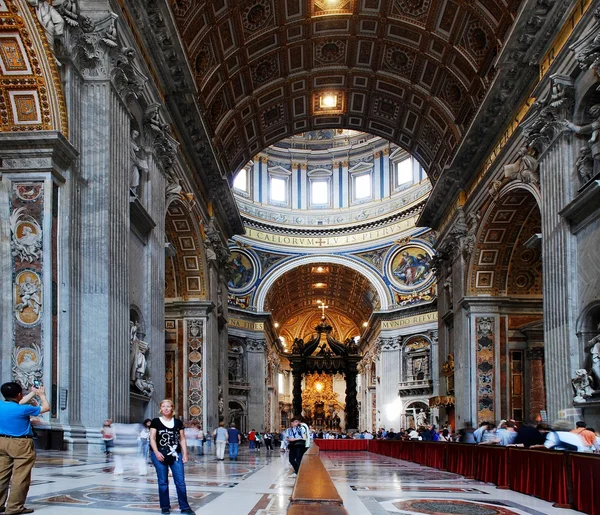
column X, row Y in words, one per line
column 261, row 484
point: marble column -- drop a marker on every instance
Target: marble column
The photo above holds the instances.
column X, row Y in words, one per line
column 257, row 396
column 34, row 166
column 559, row 256
column 537, row 384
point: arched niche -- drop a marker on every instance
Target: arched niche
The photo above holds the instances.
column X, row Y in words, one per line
column 506, row 259
column 185, row 267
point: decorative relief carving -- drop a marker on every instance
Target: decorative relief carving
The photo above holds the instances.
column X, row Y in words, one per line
column 255, row 345
column 195, row 340
column 28, row 298
column 26, row 236
column 485, row 352
column 27, row 365
column 390, row 344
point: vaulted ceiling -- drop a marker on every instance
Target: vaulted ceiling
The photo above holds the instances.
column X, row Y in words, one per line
column 412, row 71
column 342, row 289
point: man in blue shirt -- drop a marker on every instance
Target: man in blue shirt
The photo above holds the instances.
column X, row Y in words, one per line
column 17, row 453
column 296, row 437
column 235, row 439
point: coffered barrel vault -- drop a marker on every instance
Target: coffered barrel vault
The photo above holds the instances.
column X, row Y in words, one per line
column 412, row 71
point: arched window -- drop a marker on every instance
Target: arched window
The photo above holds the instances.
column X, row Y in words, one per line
column 240, row 183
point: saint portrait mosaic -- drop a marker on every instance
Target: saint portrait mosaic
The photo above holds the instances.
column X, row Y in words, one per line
column 242, row 271
column 409, row 269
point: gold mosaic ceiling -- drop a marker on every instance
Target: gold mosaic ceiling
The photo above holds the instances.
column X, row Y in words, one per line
column 344, row 290
column 412, row 71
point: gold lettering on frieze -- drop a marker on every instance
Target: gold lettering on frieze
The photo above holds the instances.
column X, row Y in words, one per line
column 410, row 321
column 246, row 324
column 333, row 241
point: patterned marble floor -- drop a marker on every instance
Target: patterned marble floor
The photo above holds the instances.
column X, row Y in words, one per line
column 260, row 484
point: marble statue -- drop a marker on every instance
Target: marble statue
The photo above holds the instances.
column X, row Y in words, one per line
column 421, row 418
column 26, row 236
column 137, row 163
column 173, row 188
column 50, row 18
column 525, row 168
column 585, row 164
column 29, row 291
column 591, row 129
column 152, row 119
column 139, row 375
column 595, row 352
column 582, row 385
column 448, row 284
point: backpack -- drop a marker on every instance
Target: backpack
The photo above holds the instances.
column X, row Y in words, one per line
column 306, row 431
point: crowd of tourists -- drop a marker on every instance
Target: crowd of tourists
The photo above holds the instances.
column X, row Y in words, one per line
column 560, row 435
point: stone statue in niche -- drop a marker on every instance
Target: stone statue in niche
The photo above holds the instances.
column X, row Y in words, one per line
column 421, row 418
column 26, row 241
column 139, row 375
column 582, row 386
column 138, row 164
column 594, row 344
column 593, row 129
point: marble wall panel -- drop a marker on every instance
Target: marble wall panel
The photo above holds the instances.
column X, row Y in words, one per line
column 26, row 221
column 486, row 372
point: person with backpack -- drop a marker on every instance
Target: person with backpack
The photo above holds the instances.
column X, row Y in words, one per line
column 298, row 441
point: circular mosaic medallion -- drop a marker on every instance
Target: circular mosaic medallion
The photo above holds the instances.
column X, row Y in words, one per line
column 242, row 271
column 409, row 269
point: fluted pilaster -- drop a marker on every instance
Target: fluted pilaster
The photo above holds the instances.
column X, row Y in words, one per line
column 560, row 270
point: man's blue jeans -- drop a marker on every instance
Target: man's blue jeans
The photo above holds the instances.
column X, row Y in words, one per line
column 233, row 450
column 162, row 473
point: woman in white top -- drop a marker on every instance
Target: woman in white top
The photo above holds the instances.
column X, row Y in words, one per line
column 221, row 436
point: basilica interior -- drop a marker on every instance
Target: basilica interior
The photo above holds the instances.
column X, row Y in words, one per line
column 370, row 213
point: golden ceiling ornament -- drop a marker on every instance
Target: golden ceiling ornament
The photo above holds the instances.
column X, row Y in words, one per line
column 31, row 95
column 318, row 388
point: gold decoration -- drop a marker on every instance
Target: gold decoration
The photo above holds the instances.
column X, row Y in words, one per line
column 444, row 401
column 318, row 390
column 448, row 366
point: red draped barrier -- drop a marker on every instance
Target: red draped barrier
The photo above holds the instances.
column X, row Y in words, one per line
column 544, row 474
column 491, row 464
column 585, row 471
column 342, row 445
column 539, row 473
column 461, row 459
column 435, row 455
